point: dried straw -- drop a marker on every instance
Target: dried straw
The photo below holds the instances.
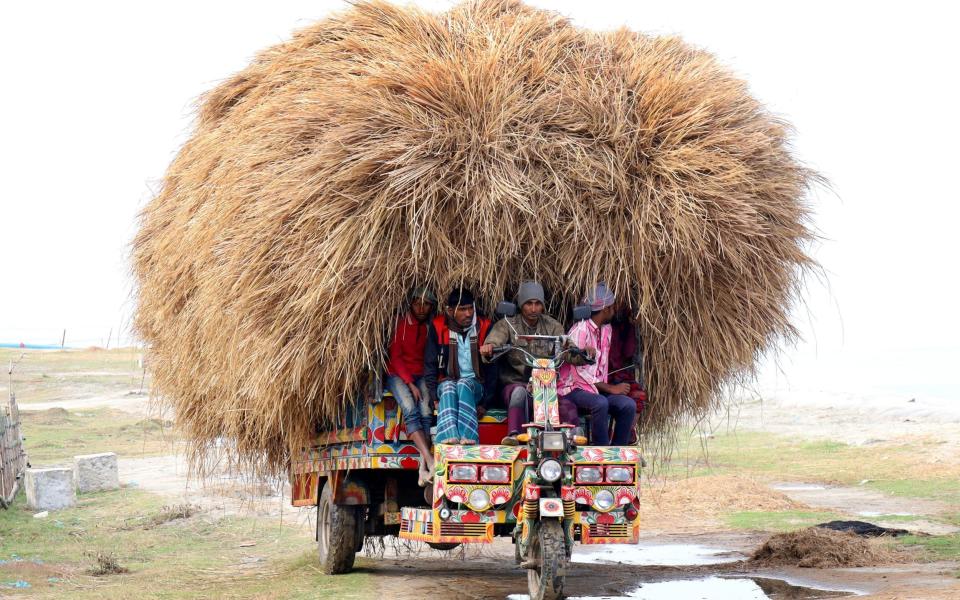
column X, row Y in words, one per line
column 386, row 147
column 821, row 549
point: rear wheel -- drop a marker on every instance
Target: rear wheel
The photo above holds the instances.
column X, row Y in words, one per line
column 336, row 534
column 547, row 554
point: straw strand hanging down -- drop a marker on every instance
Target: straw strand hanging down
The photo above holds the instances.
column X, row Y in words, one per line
column 387, row 146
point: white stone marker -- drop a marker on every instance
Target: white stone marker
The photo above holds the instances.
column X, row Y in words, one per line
column 50, row 489
column 96, row 472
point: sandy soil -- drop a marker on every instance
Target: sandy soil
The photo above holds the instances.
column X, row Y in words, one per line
column 223, row 492
column 853, row 419
column 131, row 402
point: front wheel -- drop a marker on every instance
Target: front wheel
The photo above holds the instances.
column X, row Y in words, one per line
column 336, row 534
column 547, row 554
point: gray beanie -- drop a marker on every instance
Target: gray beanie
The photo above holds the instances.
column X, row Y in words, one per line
column 530, row 290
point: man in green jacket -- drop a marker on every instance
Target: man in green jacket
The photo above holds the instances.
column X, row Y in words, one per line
column 514, row 372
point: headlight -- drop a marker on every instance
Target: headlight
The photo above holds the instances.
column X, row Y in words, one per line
column 463, row 473
column 603, row 500
column 552, row 440
column 495, row 474
column 619, row 474
column 589, row 475
column 479, row 499
column 550, row 470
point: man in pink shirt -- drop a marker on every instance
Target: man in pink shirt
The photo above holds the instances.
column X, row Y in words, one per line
column 586, row 386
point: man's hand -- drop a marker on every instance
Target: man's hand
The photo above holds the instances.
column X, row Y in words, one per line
column 591, row 352
column 481, row 410
column 486, row 350
column 415, row 391
column 609, row 389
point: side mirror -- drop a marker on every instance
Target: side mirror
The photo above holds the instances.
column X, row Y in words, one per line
column 581, row 312
column 506, row 309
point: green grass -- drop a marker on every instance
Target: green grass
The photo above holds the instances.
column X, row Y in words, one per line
column 945, row 490
column 787, row 520
column 56, row 435
column 939, row 547
column 199, row 556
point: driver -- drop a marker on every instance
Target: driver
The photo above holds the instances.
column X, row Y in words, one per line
column 514, row 373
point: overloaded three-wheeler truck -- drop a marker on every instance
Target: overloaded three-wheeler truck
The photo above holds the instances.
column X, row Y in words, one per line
column 551, row 491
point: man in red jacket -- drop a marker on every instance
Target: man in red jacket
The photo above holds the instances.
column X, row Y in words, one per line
column 405, row 374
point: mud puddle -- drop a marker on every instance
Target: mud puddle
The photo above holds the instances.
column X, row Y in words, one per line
column 646, row 554
column 717, row 588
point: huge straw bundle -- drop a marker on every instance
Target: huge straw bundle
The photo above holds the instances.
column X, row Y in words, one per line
column 385, row 147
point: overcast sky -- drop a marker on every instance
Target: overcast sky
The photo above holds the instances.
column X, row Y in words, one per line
column 98, row 97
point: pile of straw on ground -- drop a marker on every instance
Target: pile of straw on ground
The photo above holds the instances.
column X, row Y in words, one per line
column 821, row 549
column 385, row 147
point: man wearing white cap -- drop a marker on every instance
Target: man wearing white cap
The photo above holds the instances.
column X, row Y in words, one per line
column 586, row 385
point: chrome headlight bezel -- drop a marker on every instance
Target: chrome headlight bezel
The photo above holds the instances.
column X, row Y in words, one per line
column 461, row 472
column 478, row 499
column 589, row 474
column 604, row 500
column 550, row 470
column 626, row 477
column 495, row 469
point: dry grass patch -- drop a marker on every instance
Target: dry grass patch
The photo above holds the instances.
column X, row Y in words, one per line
column 105, row 563
column 708, row 499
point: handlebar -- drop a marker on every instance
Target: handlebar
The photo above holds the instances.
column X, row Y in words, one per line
column 499, row 351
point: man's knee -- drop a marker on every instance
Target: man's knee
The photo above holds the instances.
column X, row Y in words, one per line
column 518, row 397
column 624, row 405
column 598, row 404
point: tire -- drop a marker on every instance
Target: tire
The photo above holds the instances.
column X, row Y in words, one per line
column 360, row 518
column 547, row 550
column 336, row 534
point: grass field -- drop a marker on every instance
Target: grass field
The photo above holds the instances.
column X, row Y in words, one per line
column 56, row 435
column 48, row 375
column 899, row 468
column 164, row 551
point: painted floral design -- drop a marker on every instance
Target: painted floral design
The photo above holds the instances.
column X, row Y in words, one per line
column 583, row 495
column 593, row 454
column 457, row 493
column 454, row 452
column 499, row 495
column 490, row 452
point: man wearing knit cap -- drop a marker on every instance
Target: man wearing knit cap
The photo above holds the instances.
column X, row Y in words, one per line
column 405, row 374
column 586, row 385
column 455, row 376
column 514, row 372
